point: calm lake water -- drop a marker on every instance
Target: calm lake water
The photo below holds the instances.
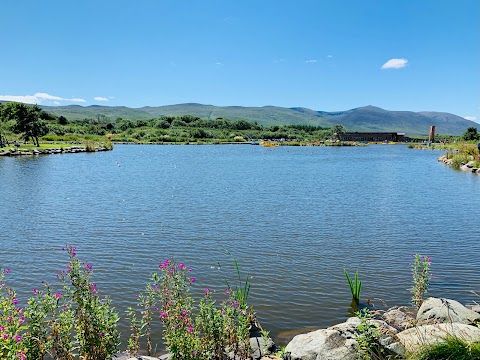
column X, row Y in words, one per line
column 294, row 217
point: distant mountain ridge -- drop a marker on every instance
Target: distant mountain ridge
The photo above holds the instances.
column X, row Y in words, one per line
column 367, row 118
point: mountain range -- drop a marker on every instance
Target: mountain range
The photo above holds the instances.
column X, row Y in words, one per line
column 368, row 118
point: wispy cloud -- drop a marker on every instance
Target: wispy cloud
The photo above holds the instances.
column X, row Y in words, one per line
column 311, row 61
column 39, row 98
column 329, row 56
column 395, row 64
column 276, row 61
column 100, row 98
column 471, row 118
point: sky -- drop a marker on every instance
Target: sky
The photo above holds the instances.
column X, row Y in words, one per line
column 416, row 55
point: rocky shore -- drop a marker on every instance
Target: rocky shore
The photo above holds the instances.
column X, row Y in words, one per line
column 50, row 151
column 402, row 332
column 467, row 166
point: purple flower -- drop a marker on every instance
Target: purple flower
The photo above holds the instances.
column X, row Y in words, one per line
column 7, row 271
column 101, row 335
column 181, row 266
column 35, row 291
column 190, row 328
column 58, row 295
column 15, row 301
column 18, row 338
column 5, row 336
column 192, row 279
column 207, row 291
column 89, row 267
column 2, row 328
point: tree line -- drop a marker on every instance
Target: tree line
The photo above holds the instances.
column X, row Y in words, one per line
column 30, row 122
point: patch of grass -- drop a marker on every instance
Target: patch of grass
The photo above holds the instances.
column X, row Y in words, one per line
column 459, row 160
column 90, row 146
column 452, row 349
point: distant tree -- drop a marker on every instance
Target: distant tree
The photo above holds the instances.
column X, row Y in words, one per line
column 27, row 120
column 47, row 116
column 62, row 120
column 471, row 134
column 337, row 131
column 2, row 137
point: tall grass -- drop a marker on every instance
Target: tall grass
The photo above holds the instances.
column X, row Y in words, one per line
column 459, row 159
column 355, row 286
column 453, row 348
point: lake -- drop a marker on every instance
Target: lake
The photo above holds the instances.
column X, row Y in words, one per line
column 294, row 218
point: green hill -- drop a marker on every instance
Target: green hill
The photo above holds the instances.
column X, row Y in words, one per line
column 367, row 118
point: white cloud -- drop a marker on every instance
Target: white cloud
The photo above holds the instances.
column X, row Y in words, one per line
column 395, row 64
column 100, row 98
column 471, row 118
column 312, row 61
column 329, row 56
column 38, row 98
column 27, row 99
column 75, row 100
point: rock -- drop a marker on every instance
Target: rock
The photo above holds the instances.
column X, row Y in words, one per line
column 338, row 341
column 434, row 310
column 400, row 318
column 470, row 164
column 126, row 356
column 322, row 344
column 475, row 308
column 260, row 347
column 415, row 338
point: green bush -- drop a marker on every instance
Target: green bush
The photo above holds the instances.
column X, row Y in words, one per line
column 459, row 159
column 452, row 349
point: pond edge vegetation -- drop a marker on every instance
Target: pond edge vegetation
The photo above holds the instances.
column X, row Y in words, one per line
column 72, row 319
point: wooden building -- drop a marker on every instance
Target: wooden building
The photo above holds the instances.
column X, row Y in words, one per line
column 373, row 136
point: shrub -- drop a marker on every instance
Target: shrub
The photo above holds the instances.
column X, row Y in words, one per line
column 95, row 320
column 12, row 323
column 70, row 321
column 368, row 337
column 421, row 278
column 90, row 146
column 192, row 332
column 451, row 348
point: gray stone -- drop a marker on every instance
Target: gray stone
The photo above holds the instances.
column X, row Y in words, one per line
column 418, row 337
column 338, row 341
column 322, row 344
column 475, row 308
column 400, row 318
column 261, row 347
column 434, row 310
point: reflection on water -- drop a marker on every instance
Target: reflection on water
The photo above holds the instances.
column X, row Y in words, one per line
column 294, row 217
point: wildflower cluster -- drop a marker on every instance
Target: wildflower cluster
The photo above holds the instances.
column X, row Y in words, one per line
column 421, row 278
column 189, row 331
column 62, row 322
column 12, row 323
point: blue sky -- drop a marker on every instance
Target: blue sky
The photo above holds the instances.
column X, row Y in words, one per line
column 324, row 55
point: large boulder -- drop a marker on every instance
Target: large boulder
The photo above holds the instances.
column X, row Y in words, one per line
column 336, row 342
column 435, row 310
column 322, row 344
column 418, row 337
